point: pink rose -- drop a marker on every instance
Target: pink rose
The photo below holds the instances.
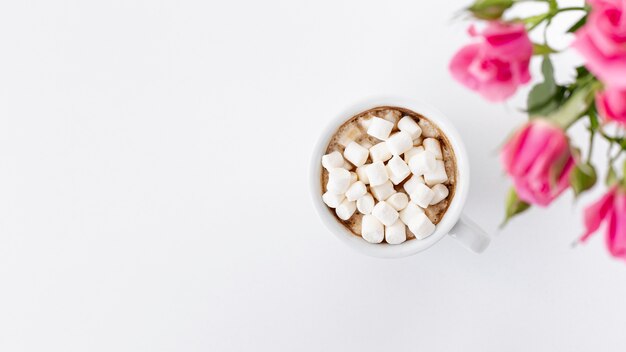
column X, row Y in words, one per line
column 539, row 161
column 497, row 64
column 602, row 41
column 611, row 104
column 611, row 207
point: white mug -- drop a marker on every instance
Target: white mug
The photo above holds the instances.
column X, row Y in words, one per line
column 453, row 222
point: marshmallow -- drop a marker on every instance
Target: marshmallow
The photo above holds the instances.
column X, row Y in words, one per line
column 332, row 200
column 377, row 173
column 338, row 180
column 428, row 130
column 399, row 143
column 380, row 128
column 422, row 163
column 421, row 226
column 356, row 191
column 410, row 212
column 380, row 152
column 396, row 233
column 398, row 200
column 345, row 209
column 360, row 172
column 408, row 125
column 365, row 204
column 437, row 176
column 349, row 135
column 411, row 184
column 422, row 195
column 385, row 213
column 411, row 152
column 432, row 145
column 441, row 192
column 384, row 191
column 356, row 154
column 372, row 230
column 353, row 177
column 397, row 169
column 332, row 160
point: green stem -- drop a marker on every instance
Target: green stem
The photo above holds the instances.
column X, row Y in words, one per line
column 574, row 108
column 592, row 136
column 551, row 14
column 571, row 9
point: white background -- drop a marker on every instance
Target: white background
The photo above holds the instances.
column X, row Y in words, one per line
column 153, row 188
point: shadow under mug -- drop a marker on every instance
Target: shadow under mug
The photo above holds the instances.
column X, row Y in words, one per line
column 454, row 222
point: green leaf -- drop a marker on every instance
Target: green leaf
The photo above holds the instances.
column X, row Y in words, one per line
column 514, row 206
column 542, row 49
column 489, row 9
column 545, row 97
column 582, row 178
column 581, row 22
column 581, row 72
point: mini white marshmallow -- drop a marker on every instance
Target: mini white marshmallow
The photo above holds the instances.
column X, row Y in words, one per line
column 365, row 204
column 422, row 163
column 385, row 213
column 380, row 128
column 421, row 226
column 408, row 125
column 422, row 195
column 356, row 191
column 372, row 230
column 437, row 176
column 441, row 192
column 428, row 130
column 332, row 200
column 399, row 143
column 432, row 145
column 395, row 233
column 398, row 170
column 360, row 172
column 377, row 173
column 353, row 177
column 410, row 212
column 338, row 180
column 398, row 200
column 380, row 152
column 384, row 191
column 346, row 209
column 356, row 154
column 332, row 160
column 409, row 186
column 411, row 152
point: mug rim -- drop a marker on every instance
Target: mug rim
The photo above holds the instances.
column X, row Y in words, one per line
column 452, row 215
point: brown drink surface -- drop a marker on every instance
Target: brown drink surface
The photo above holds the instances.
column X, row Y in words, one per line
column 354, row 129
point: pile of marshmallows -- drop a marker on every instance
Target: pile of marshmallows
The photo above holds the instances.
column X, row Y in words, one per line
column 387, row 212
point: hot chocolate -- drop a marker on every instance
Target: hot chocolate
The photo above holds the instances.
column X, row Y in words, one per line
column 389, row 174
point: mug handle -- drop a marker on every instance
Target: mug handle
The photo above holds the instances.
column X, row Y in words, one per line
column 470, row 235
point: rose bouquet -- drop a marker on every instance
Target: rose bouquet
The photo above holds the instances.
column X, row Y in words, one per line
column 540, row 159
